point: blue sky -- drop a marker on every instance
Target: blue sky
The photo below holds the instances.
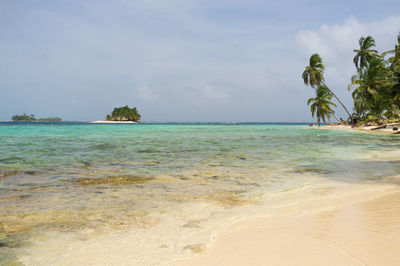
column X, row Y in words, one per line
column 180, row 60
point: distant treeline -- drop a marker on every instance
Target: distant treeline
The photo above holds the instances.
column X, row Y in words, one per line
column 31, row 118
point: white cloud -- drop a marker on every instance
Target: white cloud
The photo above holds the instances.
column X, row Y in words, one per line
column 335, row 44
column 336, row 41
column 146, row 93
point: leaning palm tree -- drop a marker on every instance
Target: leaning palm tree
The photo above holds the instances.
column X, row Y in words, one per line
column 313, row 75
column 365, row 53
column 321, row 104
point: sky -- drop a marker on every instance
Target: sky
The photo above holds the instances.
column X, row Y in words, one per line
column 181, row 60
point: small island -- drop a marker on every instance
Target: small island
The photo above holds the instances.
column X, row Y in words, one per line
column 31, row 118
column 122, row 115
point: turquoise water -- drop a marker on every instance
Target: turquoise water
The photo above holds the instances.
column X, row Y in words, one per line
column 69, row 177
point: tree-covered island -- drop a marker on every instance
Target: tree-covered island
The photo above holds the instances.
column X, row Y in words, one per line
column 31, row 118
column 124, row 114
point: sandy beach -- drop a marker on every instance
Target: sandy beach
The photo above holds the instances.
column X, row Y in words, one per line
column 360, row 233
column 368, row 129
column 360, row 228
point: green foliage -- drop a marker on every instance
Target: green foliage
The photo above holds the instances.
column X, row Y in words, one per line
column 50, row 119
column 124, row 114
column 313, row 75
column 321, row 104
column 365, row 53
column 23, row 117
column 376, row 86
column 31, row 118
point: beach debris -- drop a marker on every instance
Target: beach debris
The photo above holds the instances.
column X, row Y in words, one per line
column 380, row 127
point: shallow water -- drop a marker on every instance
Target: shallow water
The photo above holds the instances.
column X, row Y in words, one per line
column 168, row 183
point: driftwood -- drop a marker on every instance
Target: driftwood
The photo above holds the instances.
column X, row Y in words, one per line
column 380, row 127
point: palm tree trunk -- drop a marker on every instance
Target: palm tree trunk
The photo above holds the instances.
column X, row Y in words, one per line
column 344, row 107
column 335, row 117
column 318, row 122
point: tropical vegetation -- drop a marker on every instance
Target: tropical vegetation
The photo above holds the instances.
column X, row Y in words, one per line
column 50, row 119
column 313, row 75
column 322, row 105
column 23, row 117
column 31, row 118
column 124, row 114
column 375, row 88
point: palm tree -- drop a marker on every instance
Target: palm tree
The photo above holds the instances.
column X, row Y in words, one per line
column 321, row 104
column 372, row 88
column 395, row 60
column 313, row 75
column 395, row 68
column 365, row 53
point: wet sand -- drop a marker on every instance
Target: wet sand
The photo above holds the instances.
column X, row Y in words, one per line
column 361, row 233
column 359, row 229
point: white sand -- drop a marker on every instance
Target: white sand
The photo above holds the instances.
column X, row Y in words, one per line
column 361, row 233
column 388, row 130
column 358, row 227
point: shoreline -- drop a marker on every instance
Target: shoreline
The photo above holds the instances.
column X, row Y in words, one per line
column 365, row 129
column 360, row 226
column 365, row 232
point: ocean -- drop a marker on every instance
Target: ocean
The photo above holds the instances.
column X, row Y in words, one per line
column 170, row 189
